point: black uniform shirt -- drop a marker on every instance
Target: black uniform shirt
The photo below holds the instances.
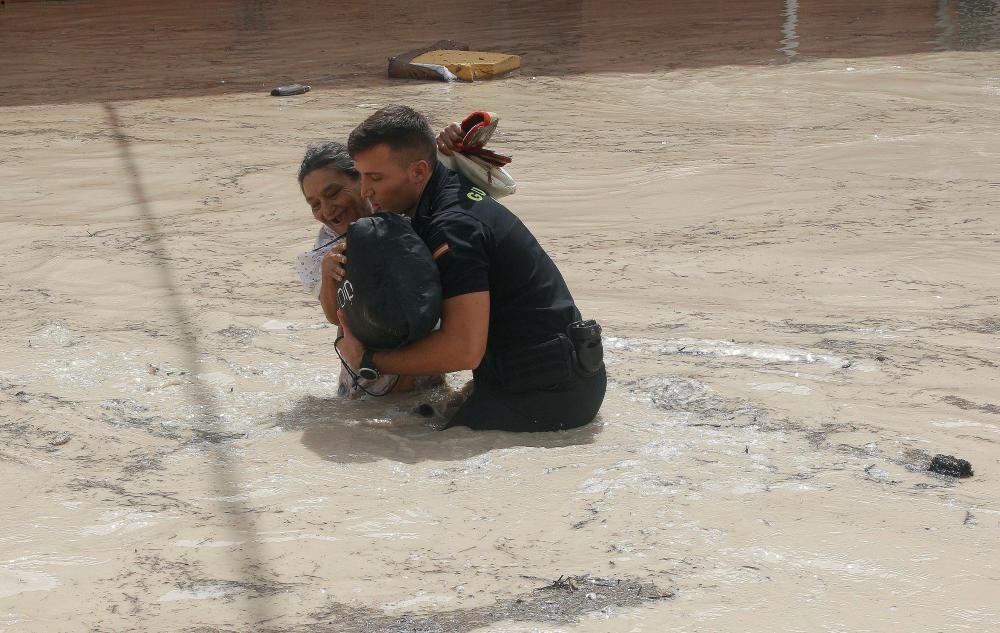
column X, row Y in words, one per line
column 479, row 245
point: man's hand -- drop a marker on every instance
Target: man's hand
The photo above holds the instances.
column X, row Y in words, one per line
column 350, row 348
column 449, row 138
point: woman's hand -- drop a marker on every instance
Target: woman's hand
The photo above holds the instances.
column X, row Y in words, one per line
column 332, row 271
column 334, row 263
column 449, row 138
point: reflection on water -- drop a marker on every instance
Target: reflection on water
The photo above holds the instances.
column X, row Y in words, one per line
column 968, row 25
column 92, row 51
column 390, row 433
column 790, row 41
column 254, row 15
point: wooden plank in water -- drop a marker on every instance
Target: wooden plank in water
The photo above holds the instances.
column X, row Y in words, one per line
column 471, row 65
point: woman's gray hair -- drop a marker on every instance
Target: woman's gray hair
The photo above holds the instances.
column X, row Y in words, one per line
column 327, row 155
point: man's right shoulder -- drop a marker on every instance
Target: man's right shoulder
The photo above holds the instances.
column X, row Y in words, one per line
column 470, row 200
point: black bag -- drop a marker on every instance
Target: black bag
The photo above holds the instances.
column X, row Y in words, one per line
column 391, row 294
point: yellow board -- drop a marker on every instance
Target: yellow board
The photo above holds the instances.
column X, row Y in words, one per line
column 471, row 65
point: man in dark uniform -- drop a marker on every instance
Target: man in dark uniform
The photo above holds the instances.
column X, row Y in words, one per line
column 506, row 312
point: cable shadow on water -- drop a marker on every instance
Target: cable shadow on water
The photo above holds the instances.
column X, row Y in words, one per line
column 225, row 480
column 360, row 431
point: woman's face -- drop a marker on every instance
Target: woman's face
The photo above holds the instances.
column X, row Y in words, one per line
column 334, row 197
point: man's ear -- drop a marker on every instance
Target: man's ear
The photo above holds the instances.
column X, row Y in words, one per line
column 420, row 171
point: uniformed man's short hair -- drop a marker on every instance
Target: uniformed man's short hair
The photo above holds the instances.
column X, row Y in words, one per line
column 401, row 128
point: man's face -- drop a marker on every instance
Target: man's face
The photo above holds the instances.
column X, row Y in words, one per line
column 389, row 179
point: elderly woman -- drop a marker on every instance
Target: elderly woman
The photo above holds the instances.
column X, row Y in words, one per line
column 332, row 188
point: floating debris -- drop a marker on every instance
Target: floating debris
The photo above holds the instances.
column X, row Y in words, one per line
column 448, row 60
column 292, row 89
column 950, row 466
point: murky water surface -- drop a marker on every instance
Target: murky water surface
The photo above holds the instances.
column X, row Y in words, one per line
column 784, row 213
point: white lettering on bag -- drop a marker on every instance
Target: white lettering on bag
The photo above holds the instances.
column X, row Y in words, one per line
column 345, row 294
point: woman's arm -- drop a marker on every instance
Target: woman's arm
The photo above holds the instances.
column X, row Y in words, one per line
column 332, row 268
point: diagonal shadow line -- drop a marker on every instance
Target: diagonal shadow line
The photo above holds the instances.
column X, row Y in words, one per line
column 251, row 566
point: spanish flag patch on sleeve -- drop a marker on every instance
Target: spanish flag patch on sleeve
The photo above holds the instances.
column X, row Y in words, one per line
column 440, row 250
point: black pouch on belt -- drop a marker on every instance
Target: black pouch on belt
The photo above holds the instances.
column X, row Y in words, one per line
column 536, row 367
column 587, row 346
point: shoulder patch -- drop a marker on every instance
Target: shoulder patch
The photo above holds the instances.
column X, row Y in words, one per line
column 440, row 250
column 476, row 194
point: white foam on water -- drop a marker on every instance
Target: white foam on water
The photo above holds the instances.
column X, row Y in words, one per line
column 275, row 325
column 419, row 600
column 217, row 379
column 620, row 466
column 749, row 488
column 14, row 581
column 54, row 335
column 769, row 354
column 11, row 618
column 973, row 616
column 385, row 527
column 293, row 535
column 595, row 486
column 853, row 569
column 709, row 347
column 308, row 504
column 782, row 387
column 664, row 449
column 643, row 483
column 982, row 510
column 205, row 543
column 246, row 496
column 961, row 424
column 119, row 521
column 393, row 536
column 16, row 538
column 27, row 573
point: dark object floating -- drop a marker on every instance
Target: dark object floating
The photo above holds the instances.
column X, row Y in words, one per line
column 287, row 91
column 951, row 466
column 424, row 410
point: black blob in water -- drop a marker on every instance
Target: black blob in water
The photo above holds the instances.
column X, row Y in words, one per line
column 424, row 410
column 951, row 466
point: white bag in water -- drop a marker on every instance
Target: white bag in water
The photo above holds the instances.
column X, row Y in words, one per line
column 490, row 178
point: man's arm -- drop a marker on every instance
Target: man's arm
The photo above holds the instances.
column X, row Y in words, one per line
column 459, row 344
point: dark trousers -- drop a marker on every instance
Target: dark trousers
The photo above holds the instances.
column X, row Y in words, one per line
column 489, row 408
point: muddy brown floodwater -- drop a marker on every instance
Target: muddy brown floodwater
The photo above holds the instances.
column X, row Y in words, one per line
column 785, row 214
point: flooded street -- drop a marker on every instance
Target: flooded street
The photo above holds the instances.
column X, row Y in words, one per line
column 783, row 213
